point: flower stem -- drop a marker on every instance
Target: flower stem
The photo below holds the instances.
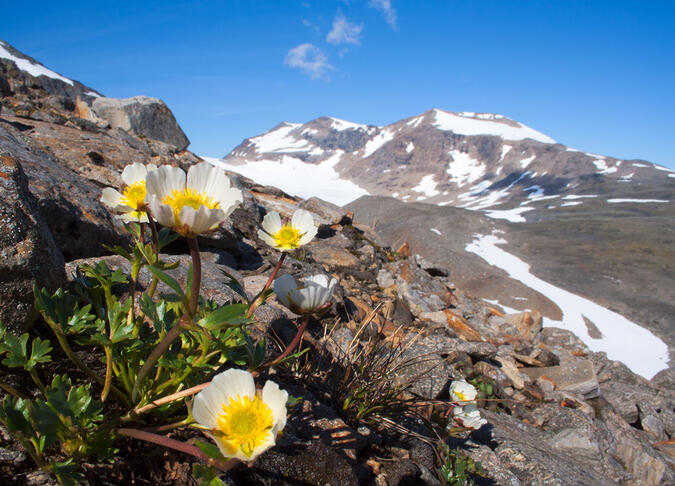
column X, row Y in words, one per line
column 63, row 341
column 37, row 380
column 196, row 275
column 167, row 399
column 179, row 446
column 156, row 353
column 256, row 302
column 289, row 349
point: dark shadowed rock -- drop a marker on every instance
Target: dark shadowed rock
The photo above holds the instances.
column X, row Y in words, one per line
column 141, row 115
column 28, row 254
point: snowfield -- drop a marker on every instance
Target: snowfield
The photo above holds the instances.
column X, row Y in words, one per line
column 464, row 125
column 293, row 176
column 622, row 340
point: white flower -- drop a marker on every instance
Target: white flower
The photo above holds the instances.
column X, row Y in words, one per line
column 461, row 391
column 469, row 417
column 131, row 202
column 313, row 297
column 286, row 237
column 195, row 206
column 243, row 423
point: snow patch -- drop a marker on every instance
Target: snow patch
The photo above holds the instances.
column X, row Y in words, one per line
column 31, row 68
column 505, row 150
column 92, row 94
column 377, row 141
column 622, row 340
column 434, row 230
column 525, row 162
column 513, row 215
column 637, row 200
column 639, row 165
column 570, row 203
column 471, row 126
column 340, row 125
column 409, row 147
column 463, row 169
column 574, row 196
column 427, row 186
column 280, row 141
column 291, row 175
column 603, row 168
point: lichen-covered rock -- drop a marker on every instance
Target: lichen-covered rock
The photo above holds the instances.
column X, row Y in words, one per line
column 144, row 116
column 28, row 254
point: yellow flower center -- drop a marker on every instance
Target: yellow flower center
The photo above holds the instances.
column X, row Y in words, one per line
column 244, row 424
column 187, row 197
column 288, row 237
column 134, row 195
column 460, row 396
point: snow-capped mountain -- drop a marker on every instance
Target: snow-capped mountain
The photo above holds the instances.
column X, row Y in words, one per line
column 591, row 249
column 477, row 161
column 18, row 66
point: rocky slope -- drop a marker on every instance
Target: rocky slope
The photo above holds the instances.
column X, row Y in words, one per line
column 565, row 415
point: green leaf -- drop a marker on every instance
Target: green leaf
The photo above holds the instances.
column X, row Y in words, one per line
column 14, row 415
column 67, row 473
column 165, row 237
column 210, row 450
column 228, row 315
column 206, row 476
column 234, row 284
column 168, row 280
column 118, row 250
column 40, row 352
column 16, row 351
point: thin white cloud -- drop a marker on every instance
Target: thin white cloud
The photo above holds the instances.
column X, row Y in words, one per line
column 388, row 11
column 309, row 59
column 344, row 31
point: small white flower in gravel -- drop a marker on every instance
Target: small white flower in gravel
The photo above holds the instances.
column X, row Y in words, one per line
column 242, row 422
column 469, row 417
column 289, row 236
column 461, row 391
column 313, row 297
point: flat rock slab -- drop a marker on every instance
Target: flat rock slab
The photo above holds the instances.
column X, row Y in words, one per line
column 573, row 376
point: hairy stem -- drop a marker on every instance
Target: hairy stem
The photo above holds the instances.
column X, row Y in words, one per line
column 37, row 380
column 179, row 446
column 196, row 275
column 256, row 302
column 156, row 353
column 167, row 399
column 294, row 343
column 108, row 373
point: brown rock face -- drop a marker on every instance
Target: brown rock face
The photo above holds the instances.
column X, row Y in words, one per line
column 27, row 250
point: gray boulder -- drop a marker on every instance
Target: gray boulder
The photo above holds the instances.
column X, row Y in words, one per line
column 28, row 254
column 143, row 116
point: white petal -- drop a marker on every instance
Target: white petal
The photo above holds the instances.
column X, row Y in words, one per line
column 133, row 216
column 283, row 286
column 162, row 213
column 308, row 235
column 134, row 173
column 267, row 238
column 113, row 199
column 276, row 399
column 164, row 180
column 209, row 402
column 228, row 199
column 268, row 442
column 318, row 280
column 199, row 177
column 300, row 298
column 302, row 220
column 271, row 222
column 202, row 220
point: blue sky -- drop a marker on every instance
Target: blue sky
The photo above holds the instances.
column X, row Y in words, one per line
column 595, row 75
